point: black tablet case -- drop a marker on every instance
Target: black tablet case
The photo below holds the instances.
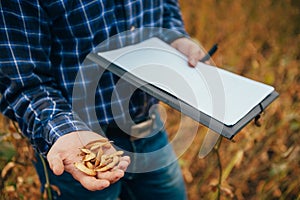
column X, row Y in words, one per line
column 228, row 131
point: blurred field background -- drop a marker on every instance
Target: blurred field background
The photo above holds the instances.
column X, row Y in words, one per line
column 259, row 39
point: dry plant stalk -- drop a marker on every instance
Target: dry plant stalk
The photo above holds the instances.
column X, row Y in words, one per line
column 94, row 160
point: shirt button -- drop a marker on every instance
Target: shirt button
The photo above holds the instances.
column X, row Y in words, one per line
column 132, row 28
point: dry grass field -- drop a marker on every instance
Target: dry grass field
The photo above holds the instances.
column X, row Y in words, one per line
column 259, row 39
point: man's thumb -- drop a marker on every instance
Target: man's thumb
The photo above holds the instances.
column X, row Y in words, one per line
column 55, row 163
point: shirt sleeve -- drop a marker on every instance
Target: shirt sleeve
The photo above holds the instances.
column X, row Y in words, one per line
column 29, row 92
column 172, row 20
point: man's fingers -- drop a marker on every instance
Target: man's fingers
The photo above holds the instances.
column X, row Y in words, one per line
column 111, row 176
column 55, row 163
column 124, row 162
column 117, row 172
column 192, row 62
column 194, row 56
column 91, row 183
column 189, row 48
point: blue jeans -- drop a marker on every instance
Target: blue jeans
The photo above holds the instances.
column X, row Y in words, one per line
column 149, row 176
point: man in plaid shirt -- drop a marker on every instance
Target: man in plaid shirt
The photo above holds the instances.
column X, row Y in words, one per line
column 43, row 45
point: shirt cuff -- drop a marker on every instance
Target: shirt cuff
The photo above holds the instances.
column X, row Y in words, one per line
column 60, row 125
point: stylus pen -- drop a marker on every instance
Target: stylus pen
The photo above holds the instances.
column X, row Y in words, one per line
column 210, row 53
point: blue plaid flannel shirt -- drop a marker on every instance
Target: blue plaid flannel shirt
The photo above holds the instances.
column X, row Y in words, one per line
column 43, row 44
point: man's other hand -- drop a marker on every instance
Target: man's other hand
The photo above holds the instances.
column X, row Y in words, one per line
column 189, row 48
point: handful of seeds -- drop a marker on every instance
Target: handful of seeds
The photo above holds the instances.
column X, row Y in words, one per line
column 94, row 160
